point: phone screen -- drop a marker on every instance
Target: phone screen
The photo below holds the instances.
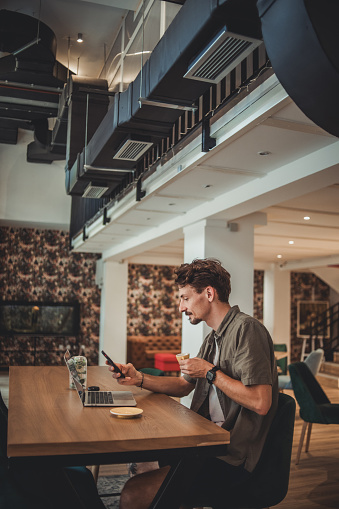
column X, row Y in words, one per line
column 116, row 369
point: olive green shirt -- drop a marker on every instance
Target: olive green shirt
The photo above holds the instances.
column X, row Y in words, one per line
column 245, row 353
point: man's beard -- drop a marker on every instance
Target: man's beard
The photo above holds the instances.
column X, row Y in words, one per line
column 194, row 321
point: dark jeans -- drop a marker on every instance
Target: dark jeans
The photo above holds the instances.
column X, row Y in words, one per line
column 209, row 487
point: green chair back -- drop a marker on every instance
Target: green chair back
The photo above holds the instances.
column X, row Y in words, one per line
column 282, row 363
column 152, row 371
column 268, row 484
column 314, row 405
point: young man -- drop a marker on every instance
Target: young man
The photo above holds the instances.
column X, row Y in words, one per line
column 235, row 380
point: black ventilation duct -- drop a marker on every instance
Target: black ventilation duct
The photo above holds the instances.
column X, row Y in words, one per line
column 146, row 111
column 31, row 80
column 302, row 41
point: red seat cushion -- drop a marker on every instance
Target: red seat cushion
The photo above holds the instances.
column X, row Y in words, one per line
column 166, row 362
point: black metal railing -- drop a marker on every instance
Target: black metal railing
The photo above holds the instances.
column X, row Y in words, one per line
column 326, row 327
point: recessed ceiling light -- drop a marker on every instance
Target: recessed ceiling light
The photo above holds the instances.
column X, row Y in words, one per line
column 80, row 39
column 291, row 242
column 279, row 256
column 208, row 185
column 264, row 153
column 171, row 204
column 307, row 218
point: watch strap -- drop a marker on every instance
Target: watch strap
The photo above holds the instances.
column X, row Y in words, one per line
column 212, row 374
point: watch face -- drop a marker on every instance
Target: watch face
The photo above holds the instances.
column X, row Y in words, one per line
column 210, row 375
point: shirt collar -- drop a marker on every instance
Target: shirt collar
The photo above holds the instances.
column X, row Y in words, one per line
column 231, row 313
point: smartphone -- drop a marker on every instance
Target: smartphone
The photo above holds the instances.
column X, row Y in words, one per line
column 116, row 369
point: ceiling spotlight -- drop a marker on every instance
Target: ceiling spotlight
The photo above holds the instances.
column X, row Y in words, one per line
column 80, row 39
column 208, row 185
column 307, row 218
column 291, row 242
column 264, row 153
column 279, row 256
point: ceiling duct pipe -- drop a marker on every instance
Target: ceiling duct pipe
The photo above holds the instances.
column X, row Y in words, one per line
column 302, row 40
column 146, row 111
column 31, row 80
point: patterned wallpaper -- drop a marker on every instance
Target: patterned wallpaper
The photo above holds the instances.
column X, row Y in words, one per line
column 304, row 286
column 152, row 307
column 153, row 300
column 258, row 295
column 36, row 265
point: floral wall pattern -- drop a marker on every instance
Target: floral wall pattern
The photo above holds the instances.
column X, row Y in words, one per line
column 37, row 266
column 304, row 286
column 258, row 295
column 153, row 300
column 152, row 305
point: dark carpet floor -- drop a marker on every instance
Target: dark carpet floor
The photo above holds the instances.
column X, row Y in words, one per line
column 111, row 485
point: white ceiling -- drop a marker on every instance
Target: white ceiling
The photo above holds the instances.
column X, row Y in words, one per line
column 210, row 185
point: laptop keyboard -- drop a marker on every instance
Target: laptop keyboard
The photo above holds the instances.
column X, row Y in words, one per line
column 101, row 397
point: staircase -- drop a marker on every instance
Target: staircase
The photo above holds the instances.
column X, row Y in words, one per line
column 329, row 372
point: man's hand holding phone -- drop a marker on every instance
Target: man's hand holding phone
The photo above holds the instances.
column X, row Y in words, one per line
column 111, row 363
column 132, row 376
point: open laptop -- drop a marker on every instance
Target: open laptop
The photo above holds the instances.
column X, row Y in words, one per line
column 98, row 398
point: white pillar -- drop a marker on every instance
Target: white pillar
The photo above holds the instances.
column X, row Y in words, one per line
column 113, row 311
column 233, row 245
column 277, row 304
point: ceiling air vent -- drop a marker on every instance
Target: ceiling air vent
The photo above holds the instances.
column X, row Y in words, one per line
column 132, row 150
column 94, row 191
column 221, row 55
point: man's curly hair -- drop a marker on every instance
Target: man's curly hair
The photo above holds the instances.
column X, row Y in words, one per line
column 202, row 273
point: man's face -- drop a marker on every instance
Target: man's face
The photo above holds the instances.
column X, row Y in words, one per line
column 194, row 305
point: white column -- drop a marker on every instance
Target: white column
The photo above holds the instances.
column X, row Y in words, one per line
column 113, row 311
column 277, row 304
column 233, row 245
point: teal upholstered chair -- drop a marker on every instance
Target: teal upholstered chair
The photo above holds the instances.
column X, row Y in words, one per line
column 313, row 361
column 268, row 484
column 152, row 371
column 46, row 488
column 315, row 407
column 282, row 363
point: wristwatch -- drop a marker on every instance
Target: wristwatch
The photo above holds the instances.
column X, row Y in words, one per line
column 211, row 374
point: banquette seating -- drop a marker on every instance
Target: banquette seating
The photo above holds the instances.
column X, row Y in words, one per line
column 141, row 349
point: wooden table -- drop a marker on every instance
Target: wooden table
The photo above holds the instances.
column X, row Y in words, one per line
column 49, row 426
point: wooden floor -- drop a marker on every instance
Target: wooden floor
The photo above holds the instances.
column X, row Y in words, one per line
column 314, row 483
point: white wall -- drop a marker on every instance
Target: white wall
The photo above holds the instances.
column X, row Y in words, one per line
column 31, row 194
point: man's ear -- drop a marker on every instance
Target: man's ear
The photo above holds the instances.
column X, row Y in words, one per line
column 210, row 292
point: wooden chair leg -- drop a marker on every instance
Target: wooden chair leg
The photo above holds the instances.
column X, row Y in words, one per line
column 301, row 441
column 95, row 472
column 308, row 438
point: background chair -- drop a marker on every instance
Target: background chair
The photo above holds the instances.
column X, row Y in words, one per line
column 46, row 488
column 268, row 484
column 315, row 407
column 313, row 361
column 282, row 363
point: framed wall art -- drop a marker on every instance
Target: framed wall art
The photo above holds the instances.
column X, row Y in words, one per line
column 307, row 312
